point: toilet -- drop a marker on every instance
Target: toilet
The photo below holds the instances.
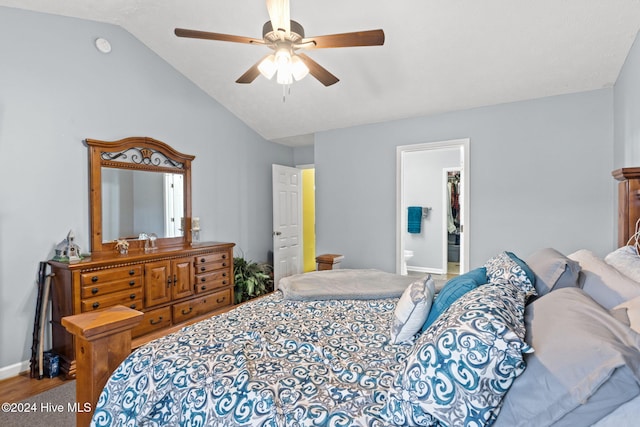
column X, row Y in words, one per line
column 407, row 256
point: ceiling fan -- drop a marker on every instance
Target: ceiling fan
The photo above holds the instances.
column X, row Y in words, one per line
column 286, row 38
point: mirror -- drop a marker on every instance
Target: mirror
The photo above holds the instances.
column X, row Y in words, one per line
column 138, row 185
column 135, row 202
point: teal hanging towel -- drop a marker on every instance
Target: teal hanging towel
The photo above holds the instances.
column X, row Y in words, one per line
column 414, row 219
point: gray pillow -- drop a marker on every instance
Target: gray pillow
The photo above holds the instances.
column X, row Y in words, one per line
column 553, row 270
column 620, row 314
column 619, row 388
column 602, row 282
column 578, row 348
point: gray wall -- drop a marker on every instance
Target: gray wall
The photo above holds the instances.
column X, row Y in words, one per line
column 56, row 89
column 627, row 111
column 303, row 155
column 540, row 175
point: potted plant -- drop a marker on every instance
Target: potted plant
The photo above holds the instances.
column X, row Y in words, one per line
column 251, row 279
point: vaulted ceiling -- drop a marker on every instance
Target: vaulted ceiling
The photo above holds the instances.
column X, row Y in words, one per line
column 439, row 55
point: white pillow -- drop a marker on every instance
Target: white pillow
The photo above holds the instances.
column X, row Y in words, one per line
column 412, row 310
column 633, row 312
column 602, row 282
column 626, row 261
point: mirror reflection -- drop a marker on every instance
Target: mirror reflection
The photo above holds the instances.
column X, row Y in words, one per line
column 135, row 202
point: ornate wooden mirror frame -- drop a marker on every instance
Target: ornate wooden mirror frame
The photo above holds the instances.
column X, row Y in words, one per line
column 135, row 153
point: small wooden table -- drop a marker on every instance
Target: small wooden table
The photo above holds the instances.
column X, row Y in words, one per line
column 329, row 261
column 103, row 341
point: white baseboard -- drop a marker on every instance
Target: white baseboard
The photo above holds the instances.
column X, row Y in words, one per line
column 13, row 370
column 426, row 270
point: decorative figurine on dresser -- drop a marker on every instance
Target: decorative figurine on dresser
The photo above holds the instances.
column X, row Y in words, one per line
column 140, row 187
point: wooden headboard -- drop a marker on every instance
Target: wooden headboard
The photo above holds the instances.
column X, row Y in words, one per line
column 628, row 202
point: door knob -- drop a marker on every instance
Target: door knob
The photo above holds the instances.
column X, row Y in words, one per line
column 277, row 233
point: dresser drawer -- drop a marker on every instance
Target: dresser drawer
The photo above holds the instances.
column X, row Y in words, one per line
column 119, row 273
column 209, row 281
column 202, row 305
column 108, row 287
column 153, row 320
column 129, row 298
column 213, row 261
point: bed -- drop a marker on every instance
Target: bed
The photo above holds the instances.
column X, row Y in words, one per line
column 548, row 339
column 544, row 340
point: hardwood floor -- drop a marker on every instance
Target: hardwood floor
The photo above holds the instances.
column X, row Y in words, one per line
column 22, row 387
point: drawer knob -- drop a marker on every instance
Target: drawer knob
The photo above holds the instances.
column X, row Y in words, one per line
column 94, row 279
column 203, row 287
column 132, row 296
column 224, row 264
column 155, row 322
column 132, row 306
column 203, row 268
column 203, row 279
column 224, row 256
column 131, row 283
column 224, row 282
column 224, row 274
column 96, row 305
column 132, row 272
column 94, row 291
column 187, row 311
column 202, row 260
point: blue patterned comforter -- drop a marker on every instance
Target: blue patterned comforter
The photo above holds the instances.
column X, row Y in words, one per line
column 270, row 362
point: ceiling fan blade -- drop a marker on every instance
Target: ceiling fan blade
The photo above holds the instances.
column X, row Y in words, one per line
column 195, row 34
column 357, row 38
column 318, row 71
column 251, row 74
column 279, row 14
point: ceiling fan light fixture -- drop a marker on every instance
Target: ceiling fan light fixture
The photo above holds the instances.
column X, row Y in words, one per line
column 284, row 76
column 283, row 62
column 268, row 66
column 299, row 69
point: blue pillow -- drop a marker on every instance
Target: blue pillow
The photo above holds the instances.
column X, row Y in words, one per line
column 523, row 265
column 453, row 290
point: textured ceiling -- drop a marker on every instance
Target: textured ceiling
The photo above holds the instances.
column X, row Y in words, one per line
column 439, row 55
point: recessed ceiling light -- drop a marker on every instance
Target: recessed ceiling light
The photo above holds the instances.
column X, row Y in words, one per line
column 103, row 45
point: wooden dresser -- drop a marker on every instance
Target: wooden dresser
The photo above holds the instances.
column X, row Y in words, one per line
column 170, row 285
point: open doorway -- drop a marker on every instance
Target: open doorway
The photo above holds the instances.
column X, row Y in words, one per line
column 453, row 204
column 423, row 198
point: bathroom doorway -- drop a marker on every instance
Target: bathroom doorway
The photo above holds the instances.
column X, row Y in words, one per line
column 424, row 211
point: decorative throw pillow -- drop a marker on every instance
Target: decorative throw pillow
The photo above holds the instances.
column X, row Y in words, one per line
column 412, row 310
column 504, row 269
column 461, row 367
column 604, row 283
column 453, row 290
column 553, row 270
column 626, row 261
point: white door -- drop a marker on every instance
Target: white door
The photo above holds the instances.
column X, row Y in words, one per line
column 287, row 222
column 173, row 207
